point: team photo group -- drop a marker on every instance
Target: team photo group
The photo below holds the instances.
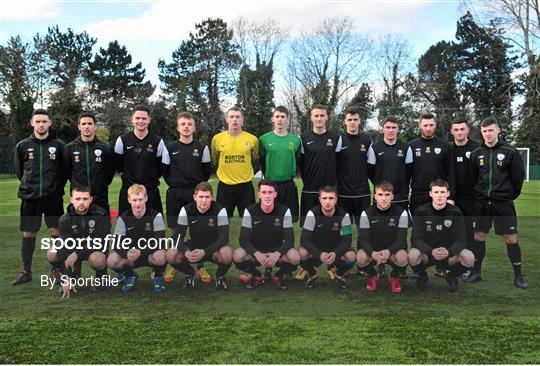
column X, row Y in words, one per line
column 447, row 196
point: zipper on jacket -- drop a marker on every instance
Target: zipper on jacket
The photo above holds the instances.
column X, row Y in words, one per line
column 40, row 169
column 87, row 165
column 490, row 173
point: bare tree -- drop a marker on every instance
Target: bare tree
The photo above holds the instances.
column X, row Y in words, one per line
column 327, row 62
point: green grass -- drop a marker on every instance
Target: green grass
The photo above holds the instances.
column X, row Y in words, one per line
column 488, row 322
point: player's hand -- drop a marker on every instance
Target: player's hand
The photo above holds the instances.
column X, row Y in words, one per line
column 273, row 258
column 261, row 258
column 385, row 255
column 195, row 255
column 376, row 257
column 439, row 253
column 331, row 258
column 67, row 289
column 323, row 257
column 70, row 261
column 133, row 254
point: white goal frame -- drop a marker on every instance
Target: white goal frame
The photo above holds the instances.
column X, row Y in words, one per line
column 526, row 160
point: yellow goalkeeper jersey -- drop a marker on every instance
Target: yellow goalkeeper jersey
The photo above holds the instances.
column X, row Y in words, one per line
column 235, row 156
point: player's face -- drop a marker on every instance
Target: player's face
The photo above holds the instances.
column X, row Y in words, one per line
column 41, row 124
column 280, row 119
column 427, row 128
column 439, row 195
column 390, row 130
column 352, row 122
column 319, row 118
column 203, row 200
column 235, row 120
column 140, row 120
column 490, row 133
column 383, row 198
column 186, row 127
column 328, row 201
column 87, row 127
column 81, row 201
column 138, row 202
column 460, row 131
column 267, row 195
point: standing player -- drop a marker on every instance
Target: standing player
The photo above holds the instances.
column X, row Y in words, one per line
column 317, row 159
column 464, row 195
column 391, row 160
column 138, row 155
column 279, row 151
column 83, row 219
column 266, row 239
column 38, row 165
column 352, row 167
column 236, row 154
column 498, row 171
column 439, row 237
column 382, row 237
column 89, row 161
column 326, row 239
column 432, row 159
column 208, row 226
column 139, row 223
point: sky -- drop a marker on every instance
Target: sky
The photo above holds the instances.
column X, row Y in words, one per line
column 154, row 29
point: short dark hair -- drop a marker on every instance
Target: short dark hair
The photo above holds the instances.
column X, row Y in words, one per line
column 392, row 119
column 488, row 121
column 281, row 109
column 140, row 107
column 185, row 115
column 267, row 182
column 86, row 114
column 40, row 111
column 351, row 110
column 439, row 183
column 384, row 186
column 328, row 189
column 203, row 186
column 318, row 106
column 79, row 188
column 460, row 120
column 237, row 109
column 426, row 115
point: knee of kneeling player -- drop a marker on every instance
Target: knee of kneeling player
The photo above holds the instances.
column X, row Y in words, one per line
column 480, row 236
column 401, row 258
column 415, row 257
column 350, row 256
column 362, row 258
column 303, row 253
column 52, row 256
column 173, row 256
column 114, row 261
column 238, row 255
column 159, row 258
column 226, row 254
column 466, row 258
column 97, row 260
column 293, row 256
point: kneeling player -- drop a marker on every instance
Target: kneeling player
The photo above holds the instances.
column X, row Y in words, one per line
column 439, row 238
column 82, row 219
column 382, row 237
column 138, row 224
column 209, row 235
column 266, row 239
column 326, row 239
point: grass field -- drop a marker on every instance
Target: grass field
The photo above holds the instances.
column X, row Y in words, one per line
column 489, row 322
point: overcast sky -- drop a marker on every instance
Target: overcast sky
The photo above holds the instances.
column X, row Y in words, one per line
column 154, row 29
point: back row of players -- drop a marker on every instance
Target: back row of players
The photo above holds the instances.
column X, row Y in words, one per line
column 483, row 180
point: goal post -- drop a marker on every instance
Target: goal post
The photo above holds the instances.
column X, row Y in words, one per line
column 525, row 153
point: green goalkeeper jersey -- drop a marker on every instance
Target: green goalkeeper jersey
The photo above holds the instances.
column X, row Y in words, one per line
column 278, row 155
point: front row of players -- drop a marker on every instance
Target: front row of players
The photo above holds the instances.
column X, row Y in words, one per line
column 267, row 239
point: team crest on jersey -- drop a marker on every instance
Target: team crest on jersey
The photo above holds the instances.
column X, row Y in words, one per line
column 75, row 229
column 329, row 142
column 277, row 222
column 400, row 153
column 500, row 157
column 148, row 227
column 428, row 149
column 291, row 146
column 195, row 152
column 428, row 227
column 52, row 153
column 481, row 162
column 30, row 153
column 437, row 150
column 211, row 222
column 335, row 227
column 76, row 157
column 150, row 148
column 98, row 152
column 418, row 151
column 392, row 222
column 447, row 223
column 468, row 154
column 362, row 147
